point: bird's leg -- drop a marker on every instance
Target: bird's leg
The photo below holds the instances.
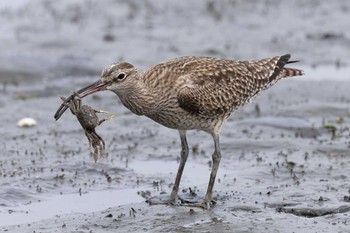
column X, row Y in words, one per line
column 206, row 203
column 216, row 162
column 173, row 199
column 183, row 159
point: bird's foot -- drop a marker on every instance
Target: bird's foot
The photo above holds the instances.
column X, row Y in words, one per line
column 199, row 203
column 163, row 200
column 189, row 201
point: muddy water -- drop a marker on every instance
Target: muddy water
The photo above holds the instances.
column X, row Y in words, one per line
column 286, row 159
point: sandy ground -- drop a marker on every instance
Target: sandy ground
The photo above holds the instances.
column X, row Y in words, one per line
column 286, row 158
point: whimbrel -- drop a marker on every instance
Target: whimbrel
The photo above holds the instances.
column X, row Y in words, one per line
column 190, row 93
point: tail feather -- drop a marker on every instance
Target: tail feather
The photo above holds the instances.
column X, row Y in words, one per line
column 279, row 67
column 288, row 72
column 289, row 62
column 281, row 71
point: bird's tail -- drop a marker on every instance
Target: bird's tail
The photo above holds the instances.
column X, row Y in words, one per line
column 288, row 72
column 285, row 71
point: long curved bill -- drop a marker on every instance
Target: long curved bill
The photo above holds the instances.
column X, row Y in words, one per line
column 81, row 93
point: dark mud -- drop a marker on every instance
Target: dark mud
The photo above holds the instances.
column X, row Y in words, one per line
column 286, row 156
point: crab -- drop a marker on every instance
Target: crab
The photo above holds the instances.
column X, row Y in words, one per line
column 89, row 120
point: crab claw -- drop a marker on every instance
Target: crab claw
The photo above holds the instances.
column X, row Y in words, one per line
column 81, row 93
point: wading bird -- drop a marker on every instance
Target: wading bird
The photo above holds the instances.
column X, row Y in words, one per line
column 190, row 93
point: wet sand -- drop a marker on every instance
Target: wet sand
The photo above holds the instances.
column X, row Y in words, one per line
column 286, row 159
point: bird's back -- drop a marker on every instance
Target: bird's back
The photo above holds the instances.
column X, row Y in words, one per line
column 212, row 88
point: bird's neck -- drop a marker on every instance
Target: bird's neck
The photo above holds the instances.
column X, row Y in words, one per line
column 138, row 98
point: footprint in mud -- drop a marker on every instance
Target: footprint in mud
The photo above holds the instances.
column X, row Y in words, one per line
column 310, row 212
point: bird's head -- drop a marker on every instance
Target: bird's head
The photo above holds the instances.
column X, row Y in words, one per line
column 117, row 77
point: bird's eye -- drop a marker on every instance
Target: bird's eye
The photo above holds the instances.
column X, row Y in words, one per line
column 120, row 77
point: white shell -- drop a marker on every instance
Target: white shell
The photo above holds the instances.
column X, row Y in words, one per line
column 26, row 122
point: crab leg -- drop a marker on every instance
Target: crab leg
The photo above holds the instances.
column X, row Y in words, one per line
column 109, row 117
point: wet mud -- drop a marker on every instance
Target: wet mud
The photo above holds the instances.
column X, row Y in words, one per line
column 286, row 155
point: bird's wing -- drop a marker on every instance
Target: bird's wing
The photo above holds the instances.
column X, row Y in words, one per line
column 219, row 87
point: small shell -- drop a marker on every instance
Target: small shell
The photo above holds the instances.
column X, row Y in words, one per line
column 26, row 122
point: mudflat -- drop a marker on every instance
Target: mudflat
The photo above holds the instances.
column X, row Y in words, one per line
column 286, row 155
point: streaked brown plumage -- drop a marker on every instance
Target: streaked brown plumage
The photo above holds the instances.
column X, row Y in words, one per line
column 191, row 93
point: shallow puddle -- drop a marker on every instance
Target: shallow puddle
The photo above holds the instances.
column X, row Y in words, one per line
column 51, row 206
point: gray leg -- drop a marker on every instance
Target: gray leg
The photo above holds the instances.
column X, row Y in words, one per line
column 173, row 199
column 216, row 162
column 183, row 159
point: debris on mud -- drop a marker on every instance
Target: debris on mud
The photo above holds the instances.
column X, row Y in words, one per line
column 26, row 122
